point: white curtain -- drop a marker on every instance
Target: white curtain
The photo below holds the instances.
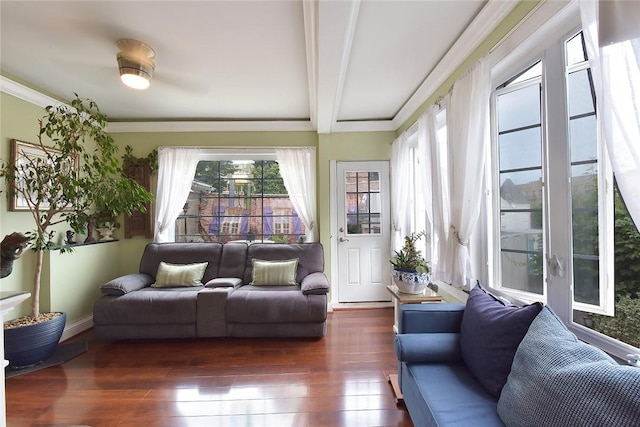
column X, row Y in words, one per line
column 433, row 160
column 400, row 178
column 298, row 170
column 616, row 77
column 176, row 169
column 468, row 135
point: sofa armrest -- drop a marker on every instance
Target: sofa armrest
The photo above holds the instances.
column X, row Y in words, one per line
column 125, row 284
column 223, row 282
column 430, row 318
column 315, row 284
column 428, row 348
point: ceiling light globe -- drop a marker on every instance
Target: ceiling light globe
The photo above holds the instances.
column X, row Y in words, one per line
column 135, row 81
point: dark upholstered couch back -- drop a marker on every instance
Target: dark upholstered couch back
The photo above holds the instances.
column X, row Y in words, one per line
column 232, row 259
column 182, row 253
column 310, row 256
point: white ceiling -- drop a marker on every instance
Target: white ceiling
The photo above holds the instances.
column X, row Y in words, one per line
column 327, row 65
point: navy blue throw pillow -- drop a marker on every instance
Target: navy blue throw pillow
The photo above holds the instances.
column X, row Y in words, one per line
column 490, row 335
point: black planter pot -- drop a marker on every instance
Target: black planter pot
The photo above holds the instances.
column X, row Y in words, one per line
column 32, row 344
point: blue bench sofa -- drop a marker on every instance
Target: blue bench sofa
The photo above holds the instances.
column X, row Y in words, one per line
column 464, row 366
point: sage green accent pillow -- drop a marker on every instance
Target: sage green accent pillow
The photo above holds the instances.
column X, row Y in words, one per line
column 173, row 275
column 269, row 273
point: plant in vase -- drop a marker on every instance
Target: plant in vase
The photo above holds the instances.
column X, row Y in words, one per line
column 410, row 269
column 60, row 186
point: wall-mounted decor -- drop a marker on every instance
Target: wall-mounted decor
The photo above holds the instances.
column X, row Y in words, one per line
column 27, row 158
column 139, row 223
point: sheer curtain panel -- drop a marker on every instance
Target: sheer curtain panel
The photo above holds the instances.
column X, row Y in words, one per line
column 433, row 159
column 298, row 170
column 616, row 77
column 176, row 168
column 400, row 177
column 468, row 136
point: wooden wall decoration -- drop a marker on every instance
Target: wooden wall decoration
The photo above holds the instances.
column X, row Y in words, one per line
column 139, row 223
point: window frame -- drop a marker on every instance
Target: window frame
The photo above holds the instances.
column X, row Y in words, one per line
column 517, row 51
column 234, row 154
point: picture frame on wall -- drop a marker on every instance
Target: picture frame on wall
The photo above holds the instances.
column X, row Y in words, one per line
column 25, row 155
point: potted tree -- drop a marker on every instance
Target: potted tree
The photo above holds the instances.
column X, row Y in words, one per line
column 78, row 162
column 410, row 270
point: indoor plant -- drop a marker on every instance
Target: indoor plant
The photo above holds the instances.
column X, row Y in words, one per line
column 78, row 165
column 410, row 270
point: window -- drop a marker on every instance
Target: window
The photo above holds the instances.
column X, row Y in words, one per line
column 554, row 220
column 519, row 146
column 363, row 202
column 234, row 200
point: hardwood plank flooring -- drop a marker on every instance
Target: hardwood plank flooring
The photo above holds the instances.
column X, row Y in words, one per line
column 339, row 380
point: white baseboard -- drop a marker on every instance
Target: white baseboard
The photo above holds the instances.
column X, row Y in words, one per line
column 77, row 327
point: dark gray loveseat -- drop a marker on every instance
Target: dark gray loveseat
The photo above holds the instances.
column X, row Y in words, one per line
column 226, row 304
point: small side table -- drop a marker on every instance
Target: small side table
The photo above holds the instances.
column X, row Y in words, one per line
column 428, row 295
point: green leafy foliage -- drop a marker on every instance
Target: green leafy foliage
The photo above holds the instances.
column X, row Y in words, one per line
column 213, row 172
column 73, row 179
column 625, row 326
column 271, row 182
column 409, row 256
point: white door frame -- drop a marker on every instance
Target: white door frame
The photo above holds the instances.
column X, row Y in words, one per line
column 333, row 220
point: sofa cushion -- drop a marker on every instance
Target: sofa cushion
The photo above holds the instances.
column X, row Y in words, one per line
column 149, row 306
column 274, row 304
column 125, row 284
column 428, row 348
column 274, row 273
column 183, row 253
column 489, row 336
column 446, row 394
column 558, row 380
column 310, row 257
column 175, row 275
column 223, row 282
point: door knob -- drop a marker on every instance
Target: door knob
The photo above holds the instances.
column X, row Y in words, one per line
column 342, row 240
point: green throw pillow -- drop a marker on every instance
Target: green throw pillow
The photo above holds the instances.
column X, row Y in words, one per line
column 266, row 273
column 172, row 275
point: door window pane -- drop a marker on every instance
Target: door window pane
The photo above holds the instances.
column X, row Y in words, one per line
column 362, row 202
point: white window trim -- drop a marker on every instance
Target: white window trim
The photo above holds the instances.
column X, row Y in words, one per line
column 547, row 24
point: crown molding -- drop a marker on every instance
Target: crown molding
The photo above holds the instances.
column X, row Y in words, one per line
column 25, row 93
column 364, row 126
column 212, row 126
column 491, row 15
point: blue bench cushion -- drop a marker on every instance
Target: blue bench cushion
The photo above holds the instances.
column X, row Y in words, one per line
column 447, row 395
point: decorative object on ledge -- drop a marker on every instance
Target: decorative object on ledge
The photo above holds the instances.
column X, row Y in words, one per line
column 106, row 232
column 70, row 234
column 11, row 248
column 410, row 283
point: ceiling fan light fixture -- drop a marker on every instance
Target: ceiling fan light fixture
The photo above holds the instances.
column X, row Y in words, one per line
column 135, row 62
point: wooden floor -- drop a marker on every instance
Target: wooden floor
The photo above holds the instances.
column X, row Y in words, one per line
column 339, row 380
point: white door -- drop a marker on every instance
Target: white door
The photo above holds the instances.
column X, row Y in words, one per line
column 363, row 227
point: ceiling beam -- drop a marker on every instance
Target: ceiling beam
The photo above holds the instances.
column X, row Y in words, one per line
column 337, row 23
column 310, row 13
